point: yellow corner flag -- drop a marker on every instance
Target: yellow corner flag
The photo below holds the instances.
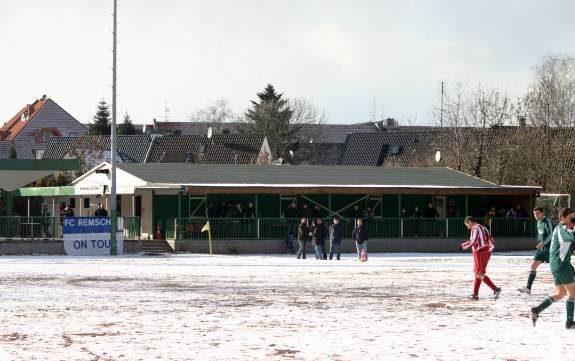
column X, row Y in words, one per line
column 207, row 228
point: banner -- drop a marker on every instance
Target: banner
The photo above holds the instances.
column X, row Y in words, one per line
column 90, row 236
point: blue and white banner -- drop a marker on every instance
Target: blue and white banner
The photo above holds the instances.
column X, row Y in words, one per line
column 90, row 236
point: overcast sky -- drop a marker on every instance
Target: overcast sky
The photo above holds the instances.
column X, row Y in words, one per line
column 339, row 53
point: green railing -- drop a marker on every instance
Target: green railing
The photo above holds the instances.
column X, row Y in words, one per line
column 279, row 228
column 132, row 227
column 51, row 227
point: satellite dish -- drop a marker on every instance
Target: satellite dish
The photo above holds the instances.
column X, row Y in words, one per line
column 210, row 132
column 438, row 156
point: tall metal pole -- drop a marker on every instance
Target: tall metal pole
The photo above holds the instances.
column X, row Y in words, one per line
column 441, row 126
column 113, row 244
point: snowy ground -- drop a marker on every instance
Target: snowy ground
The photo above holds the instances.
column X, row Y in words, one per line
column 272, row 308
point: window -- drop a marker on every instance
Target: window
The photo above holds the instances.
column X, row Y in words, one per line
column 72, row 203
column 86, row 202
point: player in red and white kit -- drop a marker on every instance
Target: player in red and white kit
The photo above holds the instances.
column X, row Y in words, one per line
column 482, row 244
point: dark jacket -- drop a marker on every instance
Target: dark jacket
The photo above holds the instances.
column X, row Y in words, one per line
column 359, row 234
column 250, row 212
column 319, row 233
column 306, row 213
column 303, row 232
column 430, row 213
column 212, row 212
column 291, row 212
column 101, row 212
column 67, row 212
column 335, row 233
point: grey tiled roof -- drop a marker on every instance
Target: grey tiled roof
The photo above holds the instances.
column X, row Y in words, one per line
column 316, row 133
column 175, row 149
column 23, row 149
column 233, row 149
column 220, row 149
column 402, row 148
column 132, row 148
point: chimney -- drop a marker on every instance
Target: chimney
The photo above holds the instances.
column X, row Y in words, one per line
column 522, row 120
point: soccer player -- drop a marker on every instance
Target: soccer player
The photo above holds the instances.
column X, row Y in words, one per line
column 560, row 264
column 481, row 242
column 544, row 231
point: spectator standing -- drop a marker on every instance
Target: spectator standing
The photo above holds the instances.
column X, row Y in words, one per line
column 335, row 233
column 250, row 214
column 291, row 211
column 319, row 233
column 416, row 226
column 291, row 214
column 511, row 214
column 316, row 212
column 66, row 212
column 430, row 214
column 360, row 237
column 356, row 212
column 306, row 212
column 100, row 211
column 303, row 234
column 46, row 221
column 222, row 210
column 211, row 212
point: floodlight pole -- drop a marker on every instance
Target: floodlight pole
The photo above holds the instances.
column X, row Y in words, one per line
column 113, row 207
column 441, row 126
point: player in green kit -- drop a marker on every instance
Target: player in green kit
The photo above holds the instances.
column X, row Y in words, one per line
column 545, row 228
column 560, row 264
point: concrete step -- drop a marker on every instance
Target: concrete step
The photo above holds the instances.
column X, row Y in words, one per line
column 156, row 247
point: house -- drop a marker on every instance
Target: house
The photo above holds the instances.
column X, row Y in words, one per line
column 36, row 123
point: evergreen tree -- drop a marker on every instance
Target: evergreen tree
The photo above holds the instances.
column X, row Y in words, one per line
column 101, row 123
column 127, row 127
column 271, row 116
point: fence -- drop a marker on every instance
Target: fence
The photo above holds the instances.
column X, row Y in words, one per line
column 279, row 228
column 51, row 227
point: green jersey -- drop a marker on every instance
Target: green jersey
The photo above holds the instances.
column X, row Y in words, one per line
column 545, row 231
column 560, row 253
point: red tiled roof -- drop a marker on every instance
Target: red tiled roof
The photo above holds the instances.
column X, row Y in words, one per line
column 11, row 128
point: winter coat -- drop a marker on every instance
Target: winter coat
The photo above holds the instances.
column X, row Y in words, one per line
column 319, row 233
column 303, row 232
column 335, row 233
column 359, row 234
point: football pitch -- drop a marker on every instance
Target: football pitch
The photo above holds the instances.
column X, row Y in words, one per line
column 197, row 307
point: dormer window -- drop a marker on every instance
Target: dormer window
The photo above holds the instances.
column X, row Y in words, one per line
column 43, row 135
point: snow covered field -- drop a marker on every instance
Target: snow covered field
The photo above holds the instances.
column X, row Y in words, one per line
column 409, row 307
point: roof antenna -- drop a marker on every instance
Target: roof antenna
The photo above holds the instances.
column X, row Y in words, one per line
column 166, row 111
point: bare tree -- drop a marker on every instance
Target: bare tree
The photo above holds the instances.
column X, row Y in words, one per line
column 550, row 100
column 219, row 111
column 305, row 111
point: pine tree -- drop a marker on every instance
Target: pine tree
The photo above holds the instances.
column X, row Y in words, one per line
column 271, row 116
column 127, row 127
column 101, row 123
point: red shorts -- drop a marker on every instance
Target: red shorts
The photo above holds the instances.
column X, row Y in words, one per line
column 481, row 259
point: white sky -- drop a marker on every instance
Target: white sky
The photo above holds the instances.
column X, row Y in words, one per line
column 340, row 54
